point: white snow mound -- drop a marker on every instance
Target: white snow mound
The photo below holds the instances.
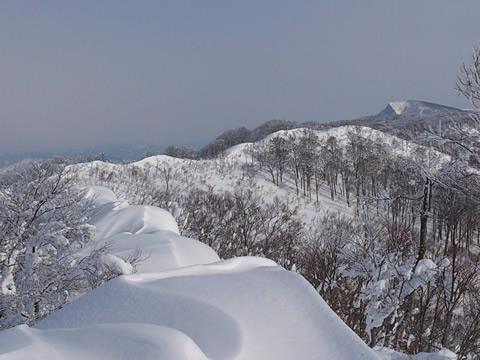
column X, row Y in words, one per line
column 153, row 230
column 188, row 307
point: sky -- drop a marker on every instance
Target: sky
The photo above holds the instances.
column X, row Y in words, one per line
column 77, row 74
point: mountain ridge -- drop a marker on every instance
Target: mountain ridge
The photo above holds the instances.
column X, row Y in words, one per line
column 417, row 107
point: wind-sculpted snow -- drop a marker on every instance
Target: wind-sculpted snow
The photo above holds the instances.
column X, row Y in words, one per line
column 231, row 310
column 99, row 342
column 113, row 217
column 191, row 306
column 215, row 332
column 148, row 228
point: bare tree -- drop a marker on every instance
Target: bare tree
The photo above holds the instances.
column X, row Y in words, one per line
column 469, row 81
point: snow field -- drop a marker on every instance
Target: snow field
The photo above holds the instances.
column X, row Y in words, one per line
column 193, row 307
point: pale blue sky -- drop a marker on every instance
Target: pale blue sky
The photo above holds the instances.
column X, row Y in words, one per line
column 83, row 73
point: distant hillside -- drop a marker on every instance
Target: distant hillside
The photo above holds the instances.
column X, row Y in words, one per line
column 406, row 119
column 111, row 152
column 241, row 135
column 416, row 107
column 411, row 118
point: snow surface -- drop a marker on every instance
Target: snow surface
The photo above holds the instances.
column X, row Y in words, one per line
column 388, row 354
column 153, row 230
column 399, row 106
column 189, row 307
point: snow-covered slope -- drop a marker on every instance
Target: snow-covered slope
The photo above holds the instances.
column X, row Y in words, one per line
column 395, row 146
column 416, row 107
column 200, row 308
column 225, row 173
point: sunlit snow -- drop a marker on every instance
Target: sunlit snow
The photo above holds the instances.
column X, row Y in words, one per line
column 185, row 304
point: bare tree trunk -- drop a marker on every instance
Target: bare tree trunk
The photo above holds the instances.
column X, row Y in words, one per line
column 426, row 204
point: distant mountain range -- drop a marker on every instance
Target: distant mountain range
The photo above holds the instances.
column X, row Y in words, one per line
column 113, row 152
column 416, row 107
column 398, row 118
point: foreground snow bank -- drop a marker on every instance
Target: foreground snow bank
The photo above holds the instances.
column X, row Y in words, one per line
column 185, row 304
column 244, row 308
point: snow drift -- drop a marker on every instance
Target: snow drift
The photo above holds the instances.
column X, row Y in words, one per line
column 185, row 304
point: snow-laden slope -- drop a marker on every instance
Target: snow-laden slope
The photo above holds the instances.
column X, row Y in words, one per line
column 202, row 308
column 396, row 145
column 416, row 107
column 227, row 172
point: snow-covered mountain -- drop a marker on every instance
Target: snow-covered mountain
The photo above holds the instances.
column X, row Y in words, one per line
column 416, row 107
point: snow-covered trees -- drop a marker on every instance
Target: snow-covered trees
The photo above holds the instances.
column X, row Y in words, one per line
column 368, row 271
column 43, row 224
column 40, row 217
column 182, row 152
column 240, row 135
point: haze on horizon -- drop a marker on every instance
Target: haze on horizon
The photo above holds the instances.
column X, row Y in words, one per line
column 80, row 74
